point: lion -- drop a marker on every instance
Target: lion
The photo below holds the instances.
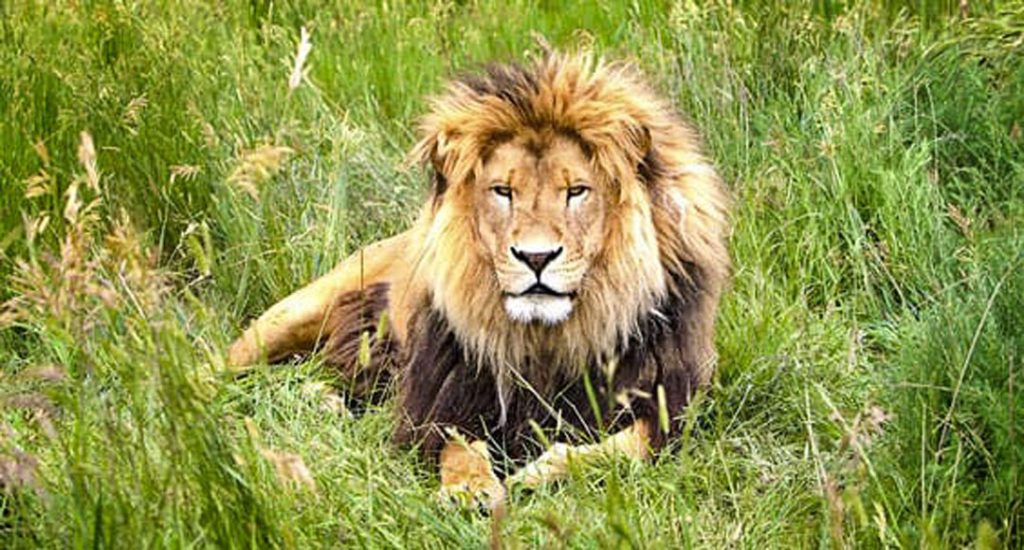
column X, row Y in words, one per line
column 560, row 282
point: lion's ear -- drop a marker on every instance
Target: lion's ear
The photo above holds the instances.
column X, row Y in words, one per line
column 439, row 181
column 651, row 165
column 431, row 152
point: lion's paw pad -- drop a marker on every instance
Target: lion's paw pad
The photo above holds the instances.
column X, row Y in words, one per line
column 484, row 497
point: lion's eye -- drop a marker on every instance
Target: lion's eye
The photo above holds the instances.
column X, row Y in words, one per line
column 577, row 191
column 503, row 191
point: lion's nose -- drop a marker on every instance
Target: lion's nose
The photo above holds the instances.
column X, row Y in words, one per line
column 536, row 260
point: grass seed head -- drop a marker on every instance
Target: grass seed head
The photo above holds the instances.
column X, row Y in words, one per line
column 291, row 470
column 256, row 166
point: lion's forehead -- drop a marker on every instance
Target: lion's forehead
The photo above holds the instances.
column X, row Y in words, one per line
column 530, row 162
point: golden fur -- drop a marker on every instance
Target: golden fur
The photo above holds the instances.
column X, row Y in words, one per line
column 646, row 272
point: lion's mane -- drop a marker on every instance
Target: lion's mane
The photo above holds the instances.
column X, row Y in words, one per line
column 641, row 334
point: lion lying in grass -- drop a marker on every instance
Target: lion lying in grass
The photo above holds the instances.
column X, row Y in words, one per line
column 564, row 274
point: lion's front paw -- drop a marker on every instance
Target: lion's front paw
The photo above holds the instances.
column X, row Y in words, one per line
column 550, row 466
column 483, row 494
column 467, row 479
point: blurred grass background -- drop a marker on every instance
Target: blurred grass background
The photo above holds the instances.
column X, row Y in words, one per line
column 869, row 391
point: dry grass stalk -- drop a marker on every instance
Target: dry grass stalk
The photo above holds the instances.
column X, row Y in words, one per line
column 38, row 184
column 18, row 471
column 256, row 166
column 87, row 273
column 42, row 152
column 46, row 373
column 837, row 511
column 87, row 156
column 291, row 470
column 963, row 223
column 185, row 172
column 300, row 60
column 133, row 113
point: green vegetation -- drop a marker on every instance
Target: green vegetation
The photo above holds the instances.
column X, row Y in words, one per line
column 872, row 343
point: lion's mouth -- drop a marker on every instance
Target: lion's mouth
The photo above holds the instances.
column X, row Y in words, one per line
column 541, row 289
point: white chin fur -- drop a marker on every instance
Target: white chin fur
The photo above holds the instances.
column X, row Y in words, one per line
column 549, row 310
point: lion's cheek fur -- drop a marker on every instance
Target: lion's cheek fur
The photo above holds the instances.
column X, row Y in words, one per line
column 625, row 280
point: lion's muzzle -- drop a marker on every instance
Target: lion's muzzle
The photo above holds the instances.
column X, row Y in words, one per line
column 541, row 294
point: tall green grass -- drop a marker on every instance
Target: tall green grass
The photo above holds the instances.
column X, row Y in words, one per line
column 869, row 388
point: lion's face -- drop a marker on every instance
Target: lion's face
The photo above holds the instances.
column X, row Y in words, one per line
column 540, row 215
column 568, row 205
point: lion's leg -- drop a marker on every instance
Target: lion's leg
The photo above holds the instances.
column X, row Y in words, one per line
column 467, row 476
column 632, row 442
column 296, row 323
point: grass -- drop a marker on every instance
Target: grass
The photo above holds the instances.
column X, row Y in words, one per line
column 869, row 390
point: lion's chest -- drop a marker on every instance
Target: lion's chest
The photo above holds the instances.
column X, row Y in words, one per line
column 442, row 386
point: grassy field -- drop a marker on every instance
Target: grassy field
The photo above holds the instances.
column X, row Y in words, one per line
column 162, row 182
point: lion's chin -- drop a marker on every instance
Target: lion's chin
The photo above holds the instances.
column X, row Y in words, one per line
column 550, row 310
